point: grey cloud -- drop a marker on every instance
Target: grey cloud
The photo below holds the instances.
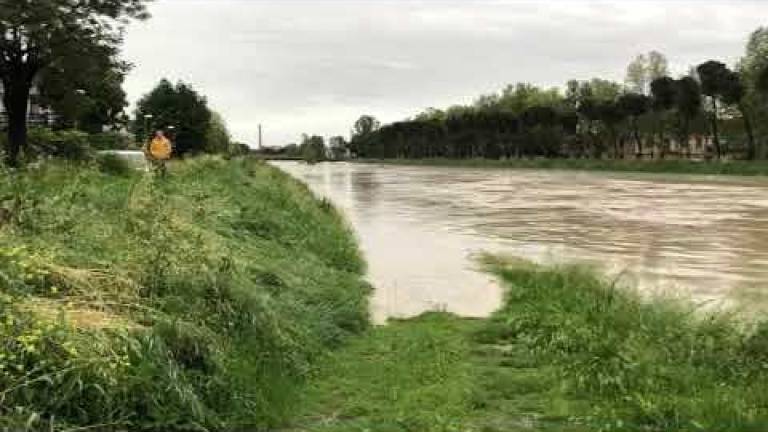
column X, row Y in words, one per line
column 313, row 66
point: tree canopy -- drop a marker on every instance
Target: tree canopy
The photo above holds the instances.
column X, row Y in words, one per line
column 51, row 35
column 178, row 108
column 217, row 137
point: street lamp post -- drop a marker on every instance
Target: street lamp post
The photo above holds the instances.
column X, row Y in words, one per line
column 171, row 133
column 80, row 94
column 147, row 119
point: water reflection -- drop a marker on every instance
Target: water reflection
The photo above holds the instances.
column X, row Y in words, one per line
column 418, row 226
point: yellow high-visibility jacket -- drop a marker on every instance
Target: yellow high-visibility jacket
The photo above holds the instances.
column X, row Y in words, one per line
column 159, row 148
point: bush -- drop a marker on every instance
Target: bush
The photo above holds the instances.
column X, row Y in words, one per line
column 110, row 141
column 239, row 149
column 110, row 163
column 70, row 144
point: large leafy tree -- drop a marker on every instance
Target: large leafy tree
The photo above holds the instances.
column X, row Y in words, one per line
column 88, row 95
column 733, row 92
column 519, row 97
column 178, row 108
column 313, row 148
column 713, row 75
column 364, row 126
column 753, row 71
column 634, row 105
column 636, row 78
column 688, row 105
column 217, row 137
column 41, row 34
column 338, row 147
column 644, row 69
column 611, row 115
column 658, row 66
column 762, row 81
column 663, row 94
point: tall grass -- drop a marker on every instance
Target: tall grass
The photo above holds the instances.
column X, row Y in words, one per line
column 646, row 365
column 198, row 301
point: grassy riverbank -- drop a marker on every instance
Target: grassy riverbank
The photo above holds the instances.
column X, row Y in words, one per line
column 739, row 168
column 434, row 374
column 643, row 364
column 201, row 301
column 568, row 351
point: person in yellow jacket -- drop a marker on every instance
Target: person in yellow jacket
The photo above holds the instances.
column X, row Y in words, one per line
column 158, row 151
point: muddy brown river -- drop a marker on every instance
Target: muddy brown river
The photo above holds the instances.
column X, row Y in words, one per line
column 420, row 229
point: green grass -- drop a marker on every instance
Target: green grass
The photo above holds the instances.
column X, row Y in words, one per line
column 644, row 364
column 568, row 351
column 435, row 373
column 739, row 168
column 226, row 297
column 199, row 301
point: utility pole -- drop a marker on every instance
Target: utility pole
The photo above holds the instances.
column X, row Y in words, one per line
column 260, row 142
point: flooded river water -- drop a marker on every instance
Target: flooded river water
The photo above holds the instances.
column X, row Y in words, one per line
column 421, row 227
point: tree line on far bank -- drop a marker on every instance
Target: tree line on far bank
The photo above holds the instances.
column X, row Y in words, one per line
column 713, row 111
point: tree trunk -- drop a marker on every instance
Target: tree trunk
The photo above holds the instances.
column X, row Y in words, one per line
column 636, row 130
column 16, row 100
column 615, row 138
column 715, row 134
column 684, row 127
column 751, row 153
column 662, row 145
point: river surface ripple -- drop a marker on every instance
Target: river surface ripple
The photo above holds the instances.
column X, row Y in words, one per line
column 420, row 227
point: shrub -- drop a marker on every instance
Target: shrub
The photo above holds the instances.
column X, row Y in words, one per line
column 110, row 141
column 110, row 163
column 70, row 145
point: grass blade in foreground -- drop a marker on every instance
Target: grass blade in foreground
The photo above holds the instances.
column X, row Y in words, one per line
column 567, row 351
column 645, row 364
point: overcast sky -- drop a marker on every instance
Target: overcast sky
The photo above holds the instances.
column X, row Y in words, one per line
column 314, row 66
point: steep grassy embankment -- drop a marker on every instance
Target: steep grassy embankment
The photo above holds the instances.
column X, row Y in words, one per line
column 568, row 351
column 199, row 301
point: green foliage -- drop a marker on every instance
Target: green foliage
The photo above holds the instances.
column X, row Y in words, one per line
column 110, row 163
column 437, row 373
column 403, row 377
column 178, row 106
column 663, row 92
column 364, row 126
column 217, row 138
column 338, row 147
column 712, row 75
column 313, row 149
column 110, row 141
column 517, row 98
column 202, row 301
column 239, row 149
column 69, row 40
column 86, row 95
column 738, row 168
column 654, row 116
column 644, row 364
column 67, row 144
